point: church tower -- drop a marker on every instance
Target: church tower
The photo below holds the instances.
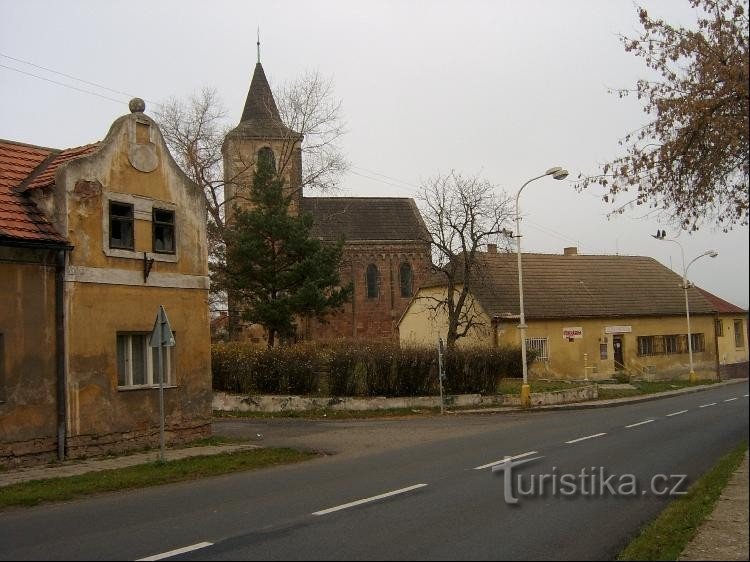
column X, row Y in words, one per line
column 261, row 133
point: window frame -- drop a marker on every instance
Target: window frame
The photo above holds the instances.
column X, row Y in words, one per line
column 163, row 224
column 372, row 290
column 535, row 344
column 121, row 220
column 149, row 358
column 739, row 334
column 407, row 291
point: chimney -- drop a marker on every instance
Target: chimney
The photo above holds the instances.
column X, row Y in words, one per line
column 492, row 248
column 570, row 251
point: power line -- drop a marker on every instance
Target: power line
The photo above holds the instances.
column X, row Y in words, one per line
column 119, row 102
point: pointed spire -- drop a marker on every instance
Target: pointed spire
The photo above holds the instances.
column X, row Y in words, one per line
column 258, row 43
column 260, row 105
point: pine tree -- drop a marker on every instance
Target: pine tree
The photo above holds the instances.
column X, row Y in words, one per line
column 275, row 269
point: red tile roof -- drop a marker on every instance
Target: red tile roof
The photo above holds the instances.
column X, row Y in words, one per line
column 720, row 305
column 46, row 177
column 23, row 167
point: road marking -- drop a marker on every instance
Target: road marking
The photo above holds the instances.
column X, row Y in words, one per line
column 707, row 405
column 730, row 399
column 637, row 424
column 676, row 413
column 522, row 455
column 177, row 551
column 367, row 500
column 584, row 438
column 746, row 395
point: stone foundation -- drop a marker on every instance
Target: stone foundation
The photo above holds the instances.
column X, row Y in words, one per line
column 40, row 451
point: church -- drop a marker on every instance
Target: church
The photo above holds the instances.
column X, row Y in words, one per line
column 386, row 245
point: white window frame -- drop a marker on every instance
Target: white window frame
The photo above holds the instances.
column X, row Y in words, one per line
column 152, row 378
column 539, row 345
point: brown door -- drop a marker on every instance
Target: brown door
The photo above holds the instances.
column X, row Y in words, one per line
column 619, row 361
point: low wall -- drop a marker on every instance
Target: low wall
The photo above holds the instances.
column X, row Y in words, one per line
column 734, row 371
column 267, row 403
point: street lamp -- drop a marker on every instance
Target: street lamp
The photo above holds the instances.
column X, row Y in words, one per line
column 662, row 235
column 559, row 174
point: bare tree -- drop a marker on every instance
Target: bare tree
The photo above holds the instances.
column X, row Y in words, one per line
column 195, row 128
column 461, row 215
column 308, row 106
column 690, row 162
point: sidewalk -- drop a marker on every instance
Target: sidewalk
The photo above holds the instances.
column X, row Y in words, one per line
column 75, row 467
column 724, row 534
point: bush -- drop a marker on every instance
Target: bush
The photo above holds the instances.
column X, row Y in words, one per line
column 244, row 369
column 360, row 369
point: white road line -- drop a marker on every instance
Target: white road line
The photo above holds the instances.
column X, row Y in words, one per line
column 637, row 424
column 177, row 551
column 584, row 438
column 745, row 395
column 676, row 413
column 730, row 399
column 707, row 405
column 522, row 455
column 367, row 500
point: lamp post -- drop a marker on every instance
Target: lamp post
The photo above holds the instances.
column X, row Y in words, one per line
column 662, row 235
column 557, row 173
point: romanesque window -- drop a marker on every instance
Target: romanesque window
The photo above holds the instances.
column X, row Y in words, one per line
column 120, row 225
column 372, row 281
column 265, row 154
column 406, row 280
column 137, row 361
column 163, row 231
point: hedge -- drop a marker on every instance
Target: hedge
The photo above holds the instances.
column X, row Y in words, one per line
column 349, row 368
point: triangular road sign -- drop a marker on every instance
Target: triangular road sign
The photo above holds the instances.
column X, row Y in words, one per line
column 162, row 333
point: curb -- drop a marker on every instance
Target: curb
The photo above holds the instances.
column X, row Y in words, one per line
column 606, row 403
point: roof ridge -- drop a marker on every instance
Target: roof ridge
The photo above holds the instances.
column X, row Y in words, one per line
column 19, row 143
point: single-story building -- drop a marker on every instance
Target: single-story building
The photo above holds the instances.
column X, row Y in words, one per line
column 93, row 240
column 588, row 316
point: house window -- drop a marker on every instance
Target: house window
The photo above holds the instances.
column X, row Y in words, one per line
column 739, row 334
column 719, row 328
column 645, row 345
column 671, row 344
column 603, row 351
column 372, row 281
column 406, row 280
column 120, row 225
column 163, row 231
column 137, row 361
column 540, row 347
column 698, row 342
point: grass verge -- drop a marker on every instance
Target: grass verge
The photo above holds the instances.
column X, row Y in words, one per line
column 141, row 476
column 666, row 537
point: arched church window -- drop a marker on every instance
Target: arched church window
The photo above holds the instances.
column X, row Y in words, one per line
column 406, row 280
column 265, row 155
column 372, row 281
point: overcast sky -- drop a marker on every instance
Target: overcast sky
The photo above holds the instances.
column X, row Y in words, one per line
column 501, row 89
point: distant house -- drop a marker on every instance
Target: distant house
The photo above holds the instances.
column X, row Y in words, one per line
column 92, row 241
column 587, row 316
column 731, row 336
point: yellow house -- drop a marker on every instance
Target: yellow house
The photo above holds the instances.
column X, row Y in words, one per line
column 93, row 240
column 731, row 337
column 588, row 316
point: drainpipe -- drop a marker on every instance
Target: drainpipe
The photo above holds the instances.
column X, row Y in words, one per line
column 62, row 375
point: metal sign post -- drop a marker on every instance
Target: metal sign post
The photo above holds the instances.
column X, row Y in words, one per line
column 441, row 373
column 161, row 337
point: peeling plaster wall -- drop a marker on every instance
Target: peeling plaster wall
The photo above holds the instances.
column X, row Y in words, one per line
column 27, row 375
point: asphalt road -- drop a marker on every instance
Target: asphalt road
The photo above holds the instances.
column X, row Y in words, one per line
column 441, row 506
